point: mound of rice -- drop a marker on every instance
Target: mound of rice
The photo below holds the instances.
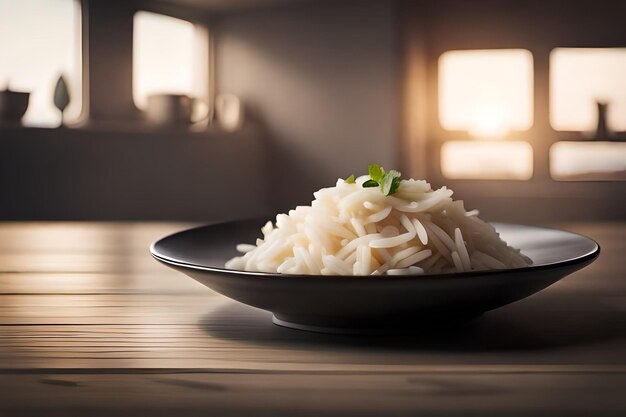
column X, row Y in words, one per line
column 352, row 230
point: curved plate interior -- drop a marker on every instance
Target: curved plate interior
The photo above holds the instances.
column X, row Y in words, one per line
column 209, row 247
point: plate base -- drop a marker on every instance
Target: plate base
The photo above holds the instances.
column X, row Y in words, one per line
column 382, row 328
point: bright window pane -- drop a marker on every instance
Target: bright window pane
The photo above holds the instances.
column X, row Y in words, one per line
column 487, row 160
column 588, row 160
column 580, row 77
column 486, row 92
column 169, row 56
column 39, row 41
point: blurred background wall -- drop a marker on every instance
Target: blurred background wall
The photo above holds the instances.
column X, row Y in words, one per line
column 323, row 78
column 327, row 87
column 310, row 119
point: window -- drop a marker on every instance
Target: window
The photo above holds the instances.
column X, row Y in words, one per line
column 486, row 92
column 588, row 160
column 169, row 56
column 40, row 40
column 581, row 77
column 505, row 160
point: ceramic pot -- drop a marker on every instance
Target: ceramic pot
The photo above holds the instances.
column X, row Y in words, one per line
column 13, row 105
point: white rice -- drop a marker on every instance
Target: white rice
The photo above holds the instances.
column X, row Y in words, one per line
column 351, row 230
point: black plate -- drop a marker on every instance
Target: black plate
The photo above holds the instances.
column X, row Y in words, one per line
column 371, row 304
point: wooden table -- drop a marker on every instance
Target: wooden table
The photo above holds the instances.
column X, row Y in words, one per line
column 91, row 325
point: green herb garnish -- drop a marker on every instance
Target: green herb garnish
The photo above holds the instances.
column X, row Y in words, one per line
column 350, row 179
column 377, row 173
column 389, row 182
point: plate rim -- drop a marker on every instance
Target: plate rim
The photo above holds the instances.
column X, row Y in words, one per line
column 588, row 257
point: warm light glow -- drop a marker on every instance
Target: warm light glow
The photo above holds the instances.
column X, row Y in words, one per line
column 579, row 77
column 491, row 123
column 169, row 56
column 486, row 92
column 487, row 160
column 588, row 160
column 39, row 41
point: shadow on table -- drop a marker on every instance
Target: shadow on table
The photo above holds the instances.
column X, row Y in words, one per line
column 544, row 323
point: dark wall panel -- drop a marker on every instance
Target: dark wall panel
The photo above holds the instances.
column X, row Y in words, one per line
column 89, row 175
column 323, row 79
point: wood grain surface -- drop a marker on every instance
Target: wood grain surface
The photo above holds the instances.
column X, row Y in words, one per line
column 91, row 325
